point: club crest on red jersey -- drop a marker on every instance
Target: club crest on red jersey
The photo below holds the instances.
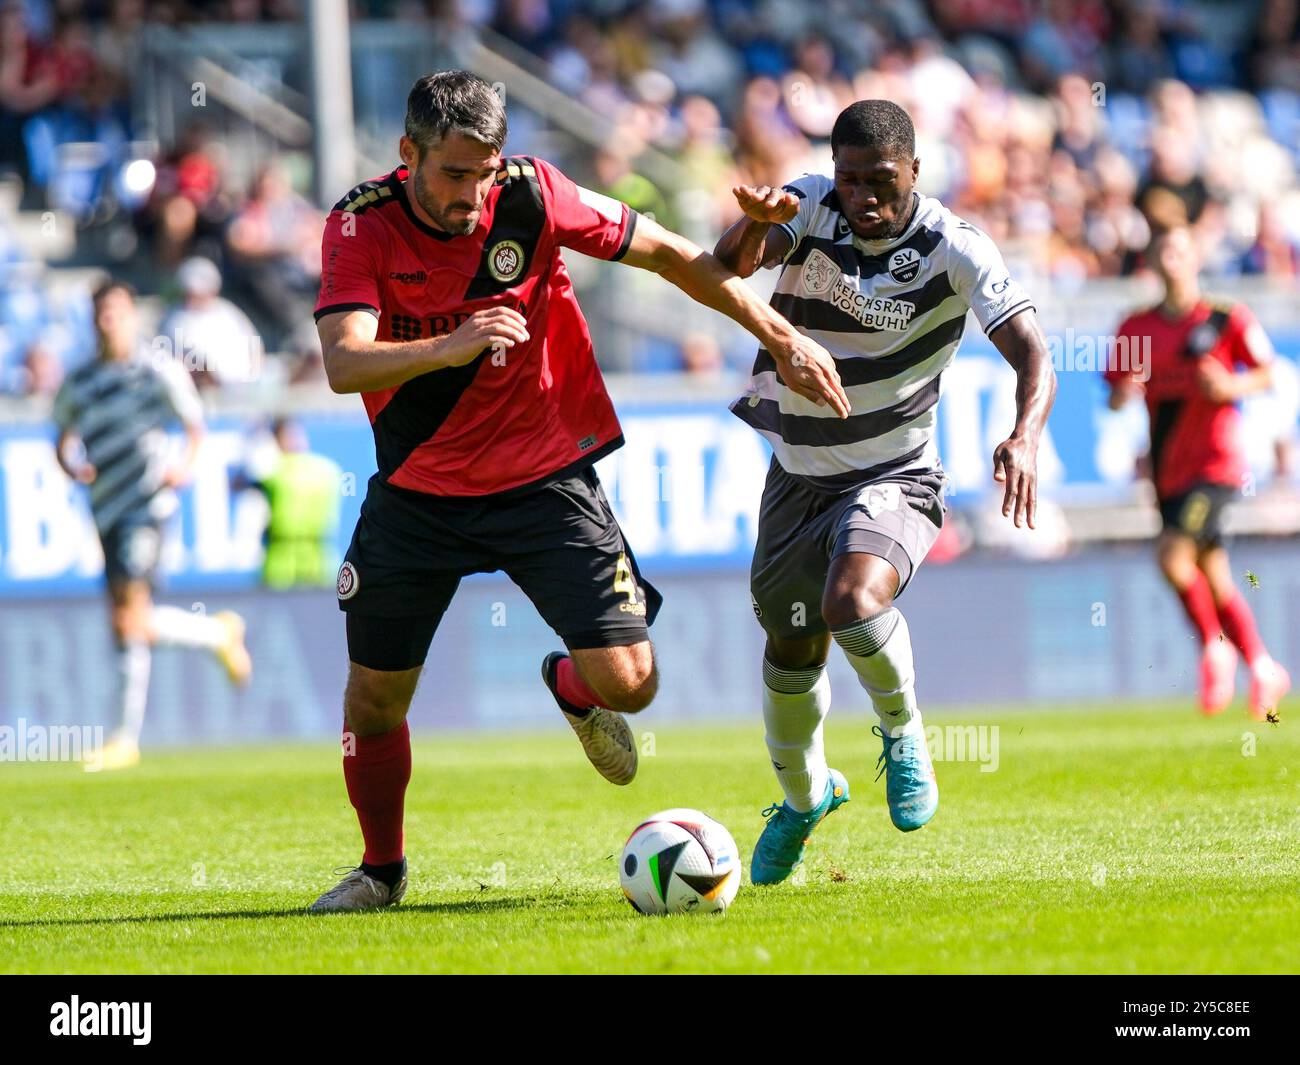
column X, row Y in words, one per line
column 506, row 260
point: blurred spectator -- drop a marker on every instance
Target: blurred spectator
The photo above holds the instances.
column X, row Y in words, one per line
column 704, row 200
column 39, row 374
column 1079, row 132
column 1066, row 130
column 813, row 93
column 214, row 337
column 615, row 177
column 1173, row 185
column 768, row 146
column 1064, row 38
column 304, row 496
column 189, row 206
column 273, row 243
column 1275, row 251
column 701, row 355
column 29, row 81
column 692, row 53
column 1138, row 57
column 1275, row 47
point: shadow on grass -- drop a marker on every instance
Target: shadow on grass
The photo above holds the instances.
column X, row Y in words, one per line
column 462, row 906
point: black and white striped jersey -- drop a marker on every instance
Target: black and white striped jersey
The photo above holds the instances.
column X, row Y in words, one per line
column 892, row 313
column 119, row 410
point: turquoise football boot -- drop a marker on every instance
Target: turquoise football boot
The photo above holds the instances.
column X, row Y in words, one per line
column 780, row 848
column 910, row 786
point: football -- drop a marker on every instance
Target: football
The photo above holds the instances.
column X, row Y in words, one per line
column 680, row 861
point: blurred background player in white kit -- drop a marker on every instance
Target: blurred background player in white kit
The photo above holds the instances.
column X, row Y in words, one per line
column 111, row 415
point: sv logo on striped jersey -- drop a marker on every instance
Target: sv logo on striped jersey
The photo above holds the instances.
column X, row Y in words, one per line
column 823, row 278
column 904, row 265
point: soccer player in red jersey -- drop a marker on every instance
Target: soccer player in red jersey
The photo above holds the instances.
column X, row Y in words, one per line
column 445, row 303
column 1191, row 387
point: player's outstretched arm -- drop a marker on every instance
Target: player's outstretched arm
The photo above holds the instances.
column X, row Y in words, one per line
column 805, row 366
column 1015, row 460
column 751, row 243
column 83, row 473
column 356, row 362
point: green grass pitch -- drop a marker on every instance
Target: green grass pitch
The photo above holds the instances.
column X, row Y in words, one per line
column 1109, row 839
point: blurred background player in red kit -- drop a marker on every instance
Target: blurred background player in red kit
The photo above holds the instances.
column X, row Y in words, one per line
column 1189, row 378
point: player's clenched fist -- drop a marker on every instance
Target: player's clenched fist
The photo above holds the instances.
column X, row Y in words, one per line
column 763, row 203
column 497, row 327
column 808, row 369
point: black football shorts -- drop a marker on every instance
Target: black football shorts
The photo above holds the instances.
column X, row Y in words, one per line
column 1198, row 513
column 801, row 530
column 133, row 550
column 560, row 543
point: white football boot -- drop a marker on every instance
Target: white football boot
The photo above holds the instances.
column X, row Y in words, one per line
column 359, row 891
column 605, row 735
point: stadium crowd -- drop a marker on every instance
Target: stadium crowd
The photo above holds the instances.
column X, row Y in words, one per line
column 1064, row 129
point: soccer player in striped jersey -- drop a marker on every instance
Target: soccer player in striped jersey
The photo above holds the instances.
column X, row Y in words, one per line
column 1198, row 464
column 882, row 277
column 445, row 302
column 111, row 414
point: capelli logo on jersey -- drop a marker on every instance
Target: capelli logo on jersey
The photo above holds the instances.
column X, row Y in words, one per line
column 904, row 265
column 419, row 277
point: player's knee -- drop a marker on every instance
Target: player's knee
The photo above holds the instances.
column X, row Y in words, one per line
column 637, row 695
column 128, row 624
column 373, row 707
column 798, row 653
column 372, row 717
column 635, row 687
column 1179, row 570
column 845, row 605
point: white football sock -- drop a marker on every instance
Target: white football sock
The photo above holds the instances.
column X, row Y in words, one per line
column 175, row 627
column 879, row 649
column 795, row 702
column 133, row 662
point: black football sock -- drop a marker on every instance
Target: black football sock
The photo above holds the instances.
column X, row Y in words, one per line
column 389, row 874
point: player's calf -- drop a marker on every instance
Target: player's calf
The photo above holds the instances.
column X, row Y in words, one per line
column 880, row 650
column 605, row 735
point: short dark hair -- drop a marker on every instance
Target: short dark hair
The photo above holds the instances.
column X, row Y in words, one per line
column 879, row 124
column 454, row 101
column 111, row 284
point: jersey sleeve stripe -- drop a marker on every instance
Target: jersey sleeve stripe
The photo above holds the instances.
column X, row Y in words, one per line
column 632, row 217
column 1007, row 315
column 335, row 308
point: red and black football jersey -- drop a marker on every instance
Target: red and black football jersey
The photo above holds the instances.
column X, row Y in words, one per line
column 502, row 421
column 1193, row 440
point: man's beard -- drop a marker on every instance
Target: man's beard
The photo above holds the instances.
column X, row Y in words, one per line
column 901, row 222
column 459, row 226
